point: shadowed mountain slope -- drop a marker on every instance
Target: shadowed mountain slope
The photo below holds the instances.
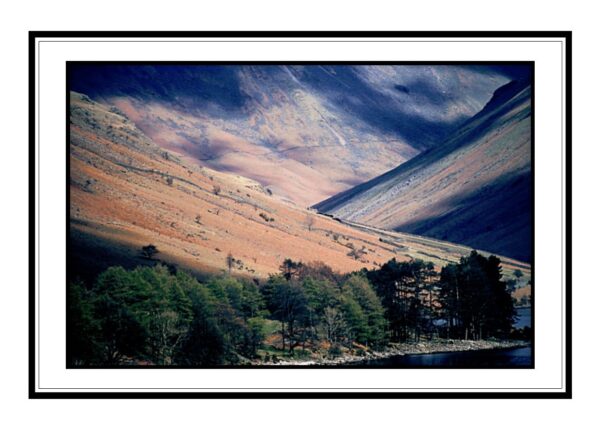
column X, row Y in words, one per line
column 473, row 189
column 126, row 192
column 305, row 132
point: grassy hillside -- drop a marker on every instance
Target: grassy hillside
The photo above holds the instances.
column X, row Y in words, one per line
column 289, row 127
column 473, row 189
column 127, row 192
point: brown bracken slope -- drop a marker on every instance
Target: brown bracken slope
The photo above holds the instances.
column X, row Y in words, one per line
column 127, row 192
column 289, row 127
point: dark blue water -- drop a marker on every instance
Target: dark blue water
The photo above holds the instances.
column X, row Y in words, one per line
column 523, row 317
column 505, row 358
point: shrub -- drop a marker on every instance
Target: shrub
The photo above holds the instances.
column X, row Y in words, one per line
column 266, row 217
column 149, row 251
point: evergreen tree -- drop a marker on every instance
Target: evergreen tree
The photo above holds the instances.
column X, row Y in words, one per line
column 400, row 287
column 82, row 327
column 289, row 305
column 290, row 269
column 476, row 303
column 374, row 331
column 205, row 344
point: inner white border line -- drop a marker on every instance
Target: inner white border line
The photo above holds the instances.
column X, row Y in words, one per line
column 560, row 40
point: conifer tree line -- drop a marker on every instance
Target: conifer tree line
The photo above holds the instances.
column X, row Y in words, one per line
column 163, row 316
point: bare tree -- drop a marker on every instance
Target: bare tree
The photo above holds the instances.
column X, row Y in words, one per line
column 230, row 261
column 334, row 324
column 216, row 189
column 356, row 253
column 310, row 221
column 168, row 329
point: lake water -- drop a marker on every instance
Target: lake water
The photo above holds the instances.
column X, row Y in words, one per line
column 523, row 317
column 502, row 358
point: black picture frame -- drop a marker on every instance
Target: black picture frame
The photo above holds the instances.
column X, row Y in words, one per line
column 33, row 393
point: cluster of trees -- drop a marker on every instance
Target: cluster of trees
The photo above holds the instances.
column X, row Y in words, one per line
column 468, row 300
column 408, row 293
column 154, row 315
column 163, row 316
column 312, row 304
column 475, row 302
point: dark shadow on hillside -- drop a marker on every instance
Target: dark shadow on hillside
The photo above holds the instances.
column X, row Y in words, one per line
column 496, row 218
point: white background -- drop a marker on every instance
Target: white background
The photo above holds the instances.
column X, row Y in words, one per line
column 307, row 15
column 548, row 57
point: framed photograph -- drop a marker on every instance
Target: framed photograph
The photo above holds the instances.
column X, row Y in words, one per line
column 300, row 215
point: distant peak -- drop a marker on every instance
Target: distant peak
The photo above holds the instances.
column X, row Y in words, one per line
column 506, row 92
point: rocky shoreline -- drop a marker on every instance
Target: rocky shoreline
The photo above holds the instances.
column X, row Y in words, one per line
column 430, row 347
